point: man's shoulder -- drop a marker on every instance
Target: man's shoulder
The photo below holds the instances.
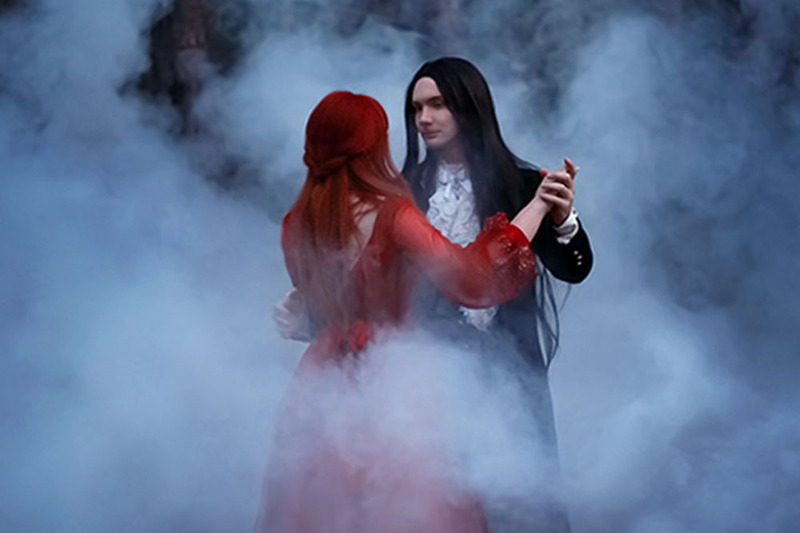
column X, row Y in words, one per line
column 529, row 176
column 526, row 168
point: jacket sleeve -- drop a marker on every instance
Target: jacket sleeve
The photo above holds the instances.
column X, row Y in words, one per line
column 489, row 271
column 570, row 262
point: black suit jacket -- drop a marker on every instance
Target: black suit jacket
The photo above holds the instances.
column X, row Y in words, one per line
column 523, row 316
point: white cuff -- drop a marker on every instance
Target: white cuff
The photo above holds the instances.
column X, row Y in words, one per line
column 568, row 229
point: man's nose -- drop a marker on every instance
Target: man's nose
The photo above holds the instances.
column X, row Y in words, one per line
column 424, row 116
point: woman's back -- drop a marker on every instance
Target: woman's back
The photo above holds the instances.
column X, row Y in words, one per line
column 377, row 288
column 373, row 289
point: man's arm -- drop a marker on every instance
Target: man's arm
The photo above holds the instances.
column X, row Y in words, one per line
column 570, row 262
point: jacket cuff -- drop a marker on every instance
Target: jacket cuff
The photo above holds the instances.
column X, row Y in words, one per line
column 567, row 229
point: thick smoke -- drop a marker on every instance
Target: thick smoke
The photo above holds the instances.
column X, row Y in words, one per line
column 689, row 137
column 141, row 370
column 139, row 360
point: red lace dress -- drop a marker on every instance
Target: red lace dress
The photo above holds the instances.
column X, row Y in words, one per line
column 356, row 481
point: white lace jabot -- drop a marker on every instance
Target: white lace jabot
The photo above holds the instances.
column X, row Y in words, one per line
column 451, row 210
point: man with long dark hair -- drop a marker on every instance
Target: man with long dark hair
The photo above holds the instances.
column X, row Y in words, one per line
column 467, row 174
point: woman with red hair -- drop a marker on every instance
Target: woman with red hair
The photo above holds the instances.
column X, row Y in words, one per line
column 355, row 246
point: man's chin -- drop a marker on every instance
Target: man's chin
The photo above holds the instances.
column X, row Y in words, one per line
column 432, row 144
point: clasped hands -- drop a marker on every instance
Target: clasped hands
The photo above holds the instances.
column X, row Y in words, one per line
column 557, row 190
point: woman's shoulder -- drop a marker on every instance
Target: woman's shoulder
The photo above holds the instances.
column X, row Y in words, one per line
column 394, row 210
column 395, row 202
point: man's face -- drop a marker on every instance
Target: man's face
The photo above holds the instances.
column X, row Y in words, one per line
column 434, row 121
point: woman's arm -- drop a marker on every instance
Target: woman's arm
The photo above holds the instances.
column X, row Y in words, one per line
column 491, row 270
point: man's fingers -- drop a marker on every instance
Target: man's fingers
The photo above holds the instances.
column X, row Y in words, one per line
column 569, row 168
column 553, row 199
column 558, row 183
column 562, row 177
column 572, row 170
column 556, row 188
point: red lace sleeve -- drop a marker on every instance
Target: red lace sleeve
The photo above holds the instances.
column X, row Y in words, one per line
column 490, row 271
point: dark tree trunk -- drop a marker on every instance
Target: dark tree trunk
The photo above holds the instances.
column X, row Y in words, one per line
column 179, row 57
column 8, row 4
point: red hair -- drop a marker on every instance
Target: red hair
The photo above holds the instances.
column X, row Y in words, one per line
column 348, row 160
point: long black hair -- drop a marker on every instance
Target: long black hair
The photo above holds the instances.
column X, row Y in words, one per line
column 494, row 170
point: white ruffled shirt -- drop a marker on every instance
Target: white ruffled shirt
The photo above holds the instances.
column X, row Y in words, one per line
column 451, row 210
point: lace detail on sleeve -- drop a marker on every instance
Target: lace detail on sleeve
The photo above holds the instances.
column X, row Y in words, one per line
column 511, row 245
